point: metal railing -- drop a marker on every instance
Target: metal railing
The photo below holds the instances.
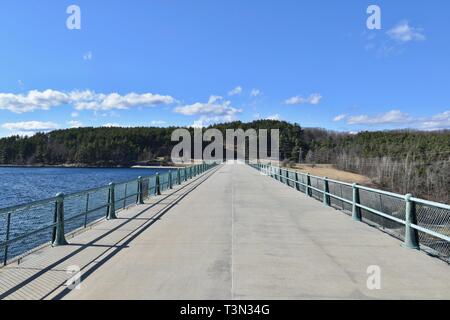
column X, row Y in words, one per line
column 416, row 221
column 26, row 227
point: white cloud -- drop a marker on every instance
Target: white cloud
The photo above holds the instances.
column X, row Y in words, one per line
column 111, row 125
column 30, row 126
column 205, row 121
column 81, row 100
column 391, row 117
column 437, row 122
column 235, row 91
column 403, row 32
column 158, row 123
column 199, row 124
column 274, row 117
column 42, row 100
column 339, row 117
column 313, row 99
column 255, row 93
column 74, row 124
column 400, row 119
column 87, row 56
column 392, row 43
column 215, row 110
column 112, row 101
column 74, row 114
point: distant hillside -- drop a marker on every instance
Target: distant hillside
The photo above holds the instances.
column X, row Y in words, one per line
column 116, row 146
column 401, row 161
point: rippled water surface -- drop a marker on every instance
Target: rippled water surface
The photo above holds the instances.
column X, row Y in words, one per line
column 22, row 185
column 27, row 227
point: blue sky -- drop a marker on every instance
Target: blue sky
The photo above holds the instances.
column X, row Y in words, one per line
column 197, row 62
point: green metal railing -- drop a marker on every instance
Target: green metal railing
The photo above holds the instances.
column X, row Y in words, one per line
column 29, row 226
column 416, row 221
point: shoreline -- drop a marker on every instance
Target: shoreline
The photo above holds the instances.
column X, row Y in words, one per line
column 79, row 166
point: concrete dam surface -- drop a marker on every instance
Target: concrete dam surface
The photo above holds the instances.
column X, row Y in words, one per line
column 231, row 233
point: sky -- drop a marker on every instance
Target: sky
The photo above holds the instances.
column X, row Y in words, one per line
column 197, row 62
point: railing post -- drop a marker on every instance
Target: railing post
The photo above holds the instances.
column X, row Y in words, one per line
column 157, row 185
column 287, row 177
column 8, row 228
column 280, row 177
column 185, row 174
column 170, row 180
column 308, row 185
column 111, row 214
column 178, row 176
column 59, row 238
column 326, row 191
column 140, row 191
column 86, row 211
column 356, row 210
column 297, row 183
column 411, row 234
column 125, row 196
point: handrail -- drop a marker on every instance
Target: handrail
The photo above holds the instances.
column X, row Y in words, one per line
column 25, row 205
column 145, row 189
column 431, row 203
column 412, row 227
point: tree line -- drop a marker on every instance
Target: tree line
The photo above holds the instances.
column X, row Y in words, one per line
column 400, row 161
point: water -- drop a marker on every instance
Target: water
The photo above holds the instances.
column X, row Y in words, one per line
column 22, row 185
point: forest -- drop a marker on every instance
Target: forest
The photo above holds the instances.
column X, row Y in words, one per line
column 402, row 161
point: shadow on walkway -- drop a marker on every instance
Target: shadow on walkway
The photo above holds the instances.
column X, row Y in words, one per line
column 30, row 279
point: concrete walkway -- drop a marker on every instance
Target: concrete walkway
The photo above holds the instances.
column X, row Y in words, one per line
column 230, row 234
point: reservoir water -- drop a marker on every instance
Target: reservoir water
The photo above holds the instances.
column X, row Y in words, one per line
column 20, row 185
column 28, row 228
